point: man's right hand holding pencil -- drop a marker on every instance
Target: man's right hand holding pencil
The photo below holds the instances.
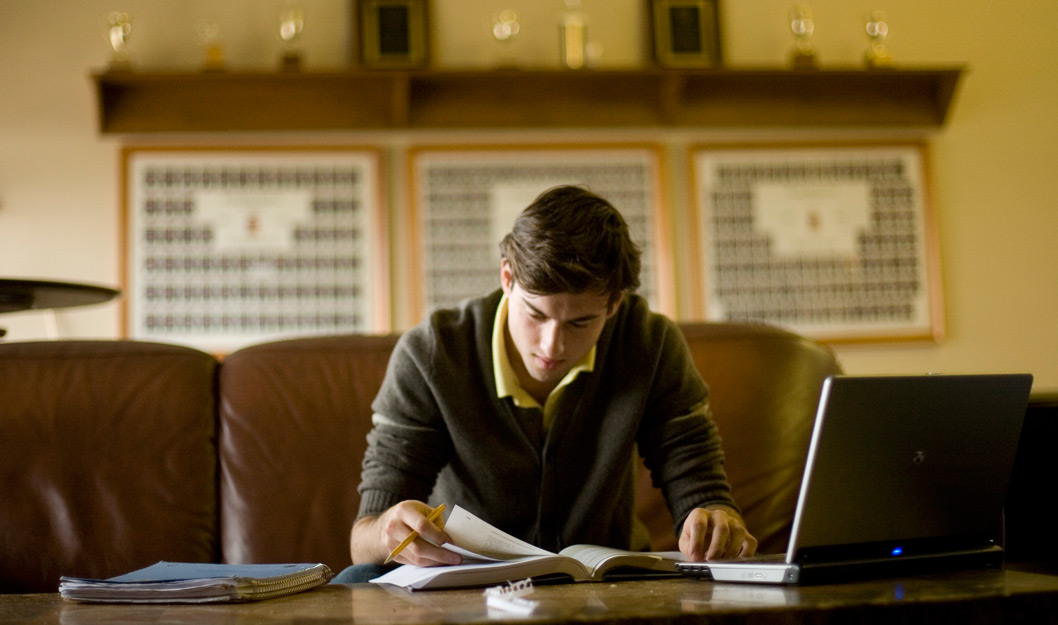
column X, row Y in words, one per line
column 408, row 533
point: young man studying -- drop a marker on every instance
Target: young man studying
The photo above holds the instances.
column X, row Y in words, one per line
column 528, row 406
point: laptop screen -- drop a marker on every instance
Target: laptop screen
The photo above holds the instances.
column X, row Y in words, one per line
column 908, row 462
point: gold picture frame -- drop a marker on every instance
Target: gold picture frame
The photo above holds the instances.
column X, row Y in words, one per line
column 223, row 247
column 836, row 242
column 393, row 33
column 686, row 33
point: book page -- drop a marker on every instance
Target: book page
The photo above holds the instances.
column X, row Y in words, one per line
column 482, row 573
column 598, row 558
column 511, row 558
column 483, row 540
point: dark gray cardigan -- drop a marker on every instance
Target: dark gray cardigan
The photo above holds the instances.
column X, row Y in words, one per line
column 442, row 435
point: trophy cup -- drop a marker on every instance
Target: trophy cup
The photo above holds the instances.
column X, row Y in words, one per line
column 573, row 40
column 877, row 31
column 209, row 39
column 505, row 30
column 803, row 26
column 291, row 25
column 118, row 29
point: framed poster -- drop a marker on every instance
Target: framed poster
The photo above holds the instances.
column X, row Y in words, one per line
column 465, row 200
column 224, row 247
column 833, row 242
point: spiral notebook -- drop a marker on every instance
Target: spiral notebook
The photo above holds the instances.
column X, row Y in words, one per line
column 186, row 582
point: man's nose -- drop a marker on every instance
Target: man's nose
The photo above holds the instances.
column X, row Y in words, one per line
column 552, row 340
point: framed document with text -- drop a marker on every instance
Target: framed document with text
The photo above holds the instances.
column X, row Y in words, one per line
column 228, row 247
column 465, row 200
column 833, row 242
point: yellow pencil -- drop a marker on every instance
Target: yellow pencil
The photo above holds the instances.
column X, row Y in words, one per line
column 411, row 537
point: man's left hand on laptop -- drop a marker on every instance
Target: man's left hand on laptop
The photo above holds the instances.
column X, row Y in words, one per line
column 714, row 533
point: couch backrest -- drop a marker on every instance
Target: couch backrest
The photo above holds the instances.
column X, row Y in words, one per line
column 295, row 412
column 117, row 454
column 107, row 459
column 293, row 420
column 764, row 385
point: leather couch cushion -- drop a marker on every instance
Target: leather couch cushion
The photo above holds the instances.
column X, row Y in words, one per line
column 107, row 459
column 764, row 385
column 294, row 416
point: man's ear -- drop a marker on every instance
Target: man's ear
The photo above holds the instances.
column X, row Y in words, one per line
column 506, row 276
column 615, row 303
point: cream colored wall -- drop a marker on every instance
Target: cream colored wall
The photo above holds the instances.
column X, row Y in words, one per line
column 993, row 178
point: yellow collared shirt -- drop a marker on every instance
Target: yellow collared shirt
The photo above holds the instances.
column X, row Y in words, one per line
column 507, row 384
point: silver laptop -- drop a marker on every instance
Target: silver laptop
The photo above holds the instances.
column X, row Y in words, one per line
column 905, row 474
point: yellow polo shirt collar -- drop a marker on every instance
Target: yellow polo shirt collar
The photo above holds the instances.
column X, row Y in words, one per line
column 507, row 384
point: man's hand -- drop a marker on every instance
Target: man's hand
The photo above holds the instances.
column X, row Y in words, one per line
column 374, row 537
column 712, row 533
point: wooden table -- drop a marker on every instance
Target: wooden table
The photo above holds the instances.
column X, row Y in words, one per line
column 1007, row 596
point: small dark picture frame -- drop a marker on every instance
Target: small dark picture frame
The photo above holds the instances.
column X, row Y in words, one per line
column 392, row 33
column 686, row 33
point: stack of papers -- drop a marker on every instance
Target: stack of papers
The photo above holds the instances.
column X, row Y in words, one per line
column 185, row 582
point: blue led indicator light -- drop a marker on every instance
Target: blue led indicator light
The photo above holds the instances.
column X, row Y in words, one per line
column 897, row 551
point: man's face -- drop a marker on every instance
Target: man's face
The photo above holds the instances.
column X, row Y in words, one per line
column 550, row 333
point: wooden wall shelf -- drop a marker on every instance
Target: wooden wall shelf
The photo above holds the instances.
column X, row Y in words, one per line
column 145, row 102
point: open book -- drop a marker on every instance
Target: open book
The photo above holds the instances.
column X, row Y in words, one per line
column 492, row 556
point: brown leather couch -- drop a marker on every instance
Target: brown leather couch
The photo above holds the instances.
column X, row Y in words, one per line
column 117, row 454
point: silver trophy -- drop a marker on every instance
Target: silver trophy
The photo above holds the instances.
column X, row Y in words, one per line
column 877, row 32
column 803, row 26
column 505, row 29
column 291, row 26
column 119, row 27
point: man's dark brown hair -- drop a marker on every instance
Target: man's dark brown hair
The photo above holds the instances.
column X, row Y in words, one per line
column 570, row 240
